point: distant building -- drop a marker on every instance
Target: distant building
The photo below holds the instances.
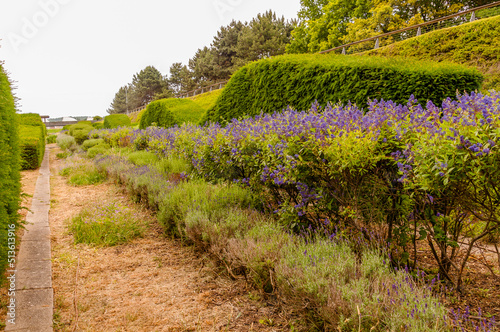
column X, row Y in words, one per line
column 58, row 123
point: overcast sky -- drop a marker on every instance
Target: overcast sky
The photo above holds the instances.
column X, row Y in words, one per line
column 70, row 57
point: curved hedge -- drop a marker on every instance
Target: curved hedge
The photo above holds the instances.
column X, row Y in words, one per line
column 10, row 185
column 116, row 120
column 170, row 112
column 32, row 133
column 80, row 131
column 299, row 80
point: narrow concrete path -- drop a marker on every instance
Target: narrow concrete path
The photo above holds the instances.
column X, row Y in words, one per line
column 34, row 294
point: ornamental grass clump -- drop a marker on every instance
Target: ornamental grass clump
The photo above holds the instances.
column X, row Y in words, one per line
column 355, row 291
column 81, row 172
column 106, row 224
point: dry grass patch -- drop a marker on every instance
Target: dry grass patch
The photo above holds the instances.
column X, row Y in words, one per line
column 149, row 284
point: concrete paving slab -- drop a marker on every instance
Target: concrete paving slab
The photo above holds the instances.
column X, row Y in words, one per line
column 34, row 250
column 40, row 276
column 31, row 319
column 38, row 329
column 34, row 298
column 37, row 233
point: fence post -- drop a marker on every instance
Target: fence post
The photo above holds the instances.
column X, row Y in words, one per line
column 419, row 31
column 377, row 43
column 473, row 17
column 343, row 50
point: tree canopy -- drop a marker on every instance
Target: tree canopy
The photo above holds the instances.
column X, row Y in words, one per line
column 325, row 24
column 146, row 86
column 239, row 43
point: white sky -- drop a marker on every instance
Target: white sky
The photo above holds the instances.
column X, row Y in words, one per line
column 70, row 57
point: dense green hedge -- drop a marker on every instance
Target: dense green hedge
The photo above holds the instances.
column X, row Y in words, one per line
column 298, row 80
column 170, row 112
column 80, row 131
column 32, row 143
column 32, row 133
column 9, row 167
column 475, row 44
column 33, row 119
column 116, row 120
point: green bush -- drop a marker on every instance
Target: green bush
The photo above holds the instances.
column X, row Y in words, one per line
column 475, row 44
column 51, row 139
column 116, row 120
column 299, row 80
column 66, row 142
column 91, row 143
column 98, row 125
column 141, row 158
column 32, row 119
column 10, row 185
column 32, row 133
column 170, row 112
column 80, row 131
column 32, row 144
column 100, row 148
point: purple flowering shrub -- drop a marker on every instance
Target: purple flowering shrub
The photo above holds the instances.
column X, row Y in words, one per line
column 406, row 172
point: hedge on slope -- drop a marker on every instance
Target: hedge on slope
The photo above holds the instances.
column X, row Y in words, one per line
column 475, row 44
column 116, row 120
column 298, row 81
column 32, row 133
column 10, row 185
column 170, row 112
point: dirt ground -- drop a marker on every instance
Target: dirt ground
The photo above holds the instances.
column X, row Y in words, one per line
column 152, row 284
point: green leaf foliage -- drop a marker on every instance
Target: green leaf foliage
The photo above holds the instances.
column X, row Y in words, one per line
column 80, row 131
column 32, row 133
column 299, row 80
column 32, row 119
column 170, row 112
column 32, row 143
column 9, row 168
column 116, row 120
column 475, row 44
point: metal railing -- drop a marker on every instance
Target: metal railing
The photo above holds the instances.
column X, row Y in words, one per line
column 138, row 109
column 388, row 38
column 201, row 90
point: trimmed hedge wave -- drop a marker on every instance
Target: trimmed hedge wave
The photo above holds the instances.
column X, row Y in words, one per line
column 32, row 119
column 32, row 134
column 298, row 80
column 475, row 44
column 80, row 131
column 10, row 185
column 116, row 120
column 170, row 112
